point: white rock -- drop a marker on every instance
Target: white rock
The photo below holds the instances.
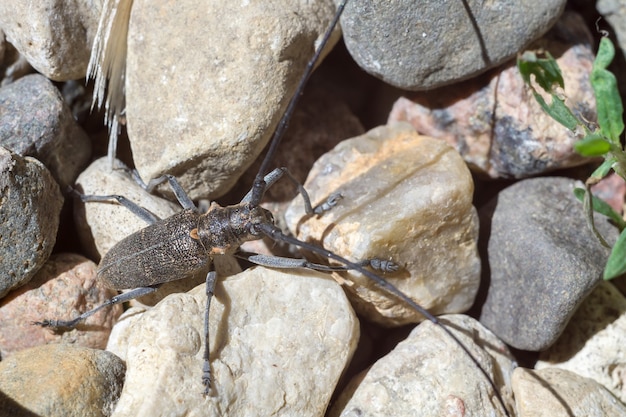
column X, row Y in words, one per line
column 279, row 342
column 553, row 392
column 102, row 225
column 55, row 36
column 407, row 198
column 593, row 342
column 219, row 75
column 429, row 375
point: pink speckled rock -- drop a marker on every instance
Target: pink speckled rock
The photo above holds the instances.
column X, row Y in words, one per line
column 63, row 288
column 494, row 121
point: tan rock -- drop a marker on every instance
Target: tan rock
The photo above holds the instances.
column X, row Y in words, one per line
column 279, row 342
column 55, row 36
column 592, row 344
column 429, row 375
column 60, row 380
column 62, row 289
column 407, row 198
column 555, row 392
column 219, row 75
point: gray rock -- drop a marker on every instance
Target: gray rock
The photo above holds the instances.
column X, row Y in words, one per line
column 555, row 392
column 422, row 45
column 592, row 344
column 54, row 35
column 496, row 123
column 29, row 218
column 429, row 375
column 543, row 260
column 60, row 380
column 35, row 121
column 219, row 76
column 407, row 198
column 280, row 351
column 64, row 287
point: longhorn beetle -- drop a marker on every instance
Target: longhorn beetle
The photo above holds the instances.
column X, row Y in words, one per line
column 195, row 238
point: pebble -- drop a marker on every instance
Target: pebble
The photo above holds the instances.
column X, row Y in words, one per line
column 423, row 45
column 64, row 287
column 495, row 122
column 101, row 225
column 280, row 351
column 543, row 260
column 210, row 113
column 592, row 344
column 60, row 380
column 406, row 198
column 54, row 36
column 29, row 218
column 35, row 121
column 553, row 392
column 428, row 375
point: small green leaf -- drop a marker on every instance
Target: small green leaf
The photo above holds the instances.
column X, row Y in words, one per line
column 616, row 265
column 602, row 207
column 608, row 100
column 558, row 111
column 592, row 145
column 603, row 170
column 545, row 70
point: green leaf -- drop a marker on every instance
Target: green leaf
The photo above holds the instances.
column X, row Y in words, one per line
column 603, row 170
column 593, row 144
column 616, row 265
column 608, row 100
column 602, row 207
column 558, row 111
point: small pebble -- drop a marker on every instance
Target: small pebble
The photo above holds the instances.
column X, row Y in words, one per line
column 60, row 380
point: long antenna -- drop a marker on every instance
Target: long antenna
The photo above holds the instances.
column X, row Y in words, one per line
column 259, row 186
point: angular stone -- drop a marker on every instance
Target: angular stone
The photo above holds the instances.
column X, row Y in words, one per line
column 64, row 287
column 592, row 344
column 555, row 392
column 54, row 35
column 407, row 198
column 60, row 380
column 495, row 122
column 543, row 260
column 29, row 218
column 429, row 375
column 279, row 352
column 422, row 45
column 35, row 121
column 219, row 76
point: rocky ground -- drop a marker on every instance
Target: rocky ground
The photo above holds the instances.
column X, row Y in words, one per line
column 418, row 117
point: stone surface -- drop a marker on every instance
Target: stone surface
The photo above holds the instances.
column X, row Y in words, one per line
column 592, row 344
column 60, row 380
column 279, row 342
column 407, row 198
column 29, row 218
column 429, row 375
column 494, row 120
column 35, row 121
column 559, row 393
column 102, row 225
column 64, row 287
column 213, row 104
column 421, row 45
column 543, row 260
column 54, row 35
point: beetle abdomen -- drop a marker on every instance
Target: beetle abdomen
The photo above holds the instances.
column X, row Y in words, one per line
column 162, row 252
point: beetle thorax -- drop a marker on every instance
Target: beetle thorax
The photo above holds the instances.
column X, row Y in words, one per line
column 223, row 229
